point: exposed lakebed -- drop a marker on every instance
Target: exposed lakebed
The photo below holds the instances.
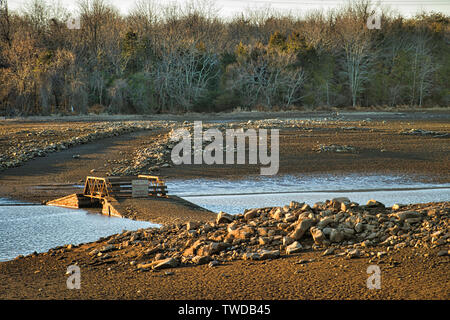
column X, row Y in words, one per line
column 25, row 228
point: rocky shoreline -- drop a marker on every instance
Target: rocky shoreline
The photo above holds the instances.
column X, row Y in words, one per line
column 22, row 145
column 151, row 159
column 336, row 227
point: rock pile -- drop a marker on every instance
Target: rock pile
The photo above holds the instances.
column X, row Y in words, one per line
column 158, row 154
column 146, row 160
column 336, row 148
column 422, row 132
column 25, row 145
column 269, row 233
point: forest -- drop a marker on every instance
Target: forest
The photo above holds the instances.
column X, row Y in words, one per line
column 177, row 59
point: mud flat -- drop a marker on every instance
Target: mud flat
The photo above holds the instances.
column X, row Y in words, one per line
column 380, row 143
column 291, row 252
column 164, row 210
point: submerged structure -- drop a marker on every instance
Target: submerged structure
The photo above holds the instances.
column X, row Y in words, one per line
column 109, row 192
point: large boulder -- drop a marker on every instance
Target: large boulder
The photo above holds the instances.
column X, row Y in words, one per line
column 408, row 215
column 212, row 248
column 242, row 233
column 164, row 263
column 301, row 228
column 250, row 214
column 317, row 235
column 336, row 236
column 374, row 204
column 294, row 247
column 325, row 221
column 201, row 259
column 269, row 254
column 192, row 225
column 223, row 217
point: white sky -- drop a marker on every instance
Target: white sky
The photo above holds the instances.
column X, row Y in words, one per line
column 231, row 7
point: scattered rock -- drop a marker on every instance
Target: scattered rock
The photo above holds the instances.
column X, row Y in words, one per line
column 201, row 259
column 223, row 217
column 374, row 204
column 165, row 263
column 397, row 206
column 294, row 247
column 336, row 148
column 443, row 253
column 355, row 253
column 422, row 132
column 269, row 254
column 107, row 248
column 251, row 256
column 192, row 225
column 265, row 240
column 213, row 263
column 359, row 227
column 263, row 236
column 407, row 215
column 287, row 241
column 250, row 214
column 328, row 252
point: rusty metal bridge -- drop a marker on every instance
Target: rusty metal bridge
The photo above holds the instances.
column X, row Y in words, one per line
column 108, row 192
column 122, row 187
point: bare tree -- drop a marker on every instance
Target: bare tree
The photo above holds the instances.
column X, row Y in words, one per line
column 266, row 77
column 94, row 15
column 358, row 51
column 5, row 23
column 422, row 66
column 183, row 74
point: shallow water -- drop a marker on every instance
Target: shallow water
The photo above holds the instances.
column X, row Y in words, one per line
column 236, row 196
column 25, row 229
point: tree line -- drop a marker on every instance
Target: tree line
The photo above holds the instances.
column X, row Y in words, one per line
column 161, row 59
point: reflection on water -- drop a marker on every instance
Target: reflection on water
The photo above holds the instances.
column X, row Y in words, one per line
column 25, row 229
column 235, row 196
